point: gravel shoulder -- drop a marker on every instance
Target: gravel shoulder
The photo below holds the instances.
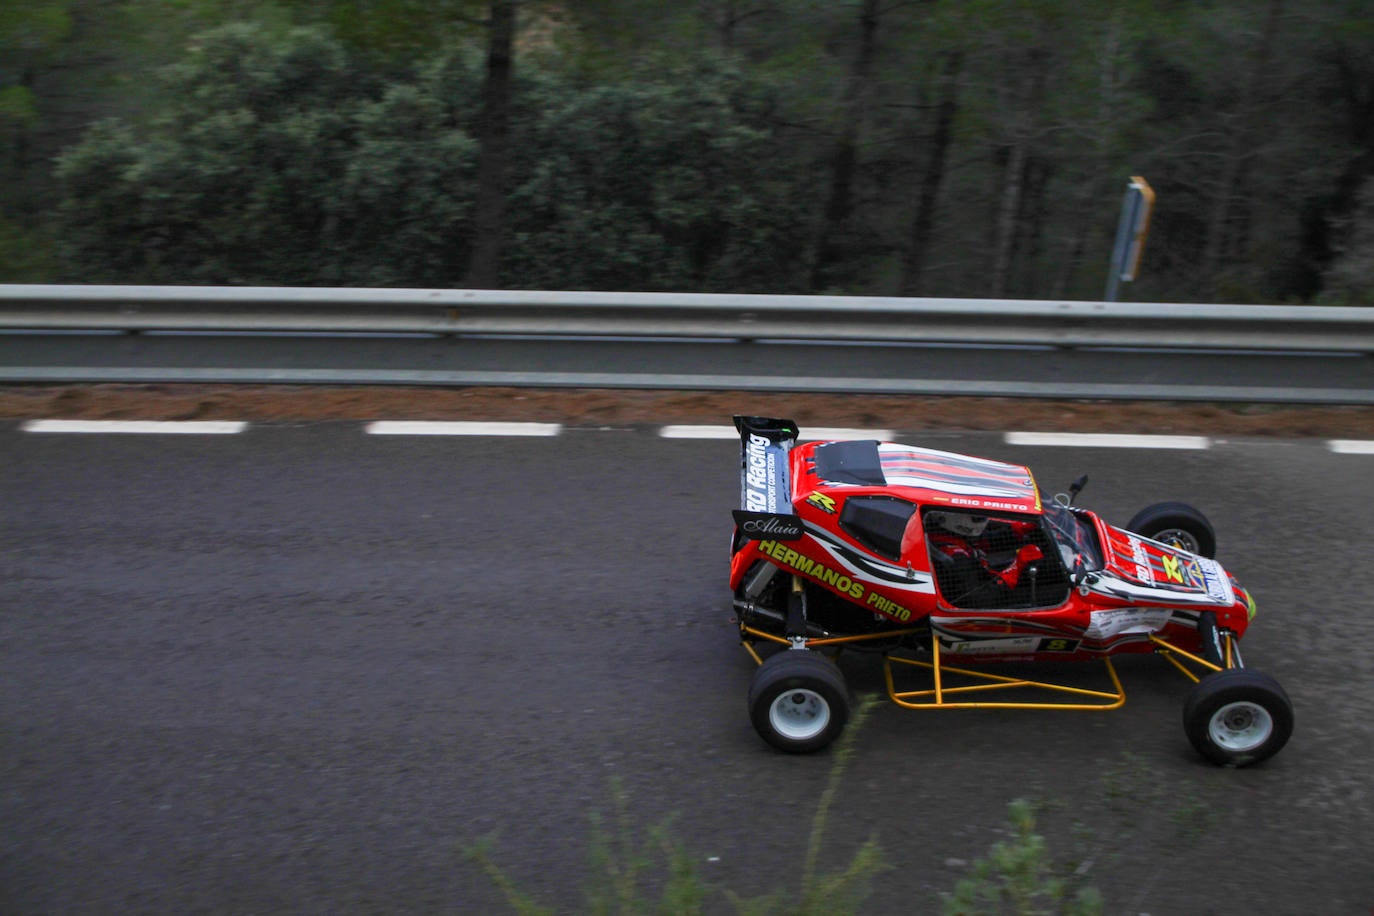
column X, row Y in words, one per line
column 613, row 407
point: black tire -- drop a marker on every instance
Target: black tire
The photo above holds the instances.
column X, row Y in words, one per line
column 1176, row 524
column 1238, row 717
column 798, row 701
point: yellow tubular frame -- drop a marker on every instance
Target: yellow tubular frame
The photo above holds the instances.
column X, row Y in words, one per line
column 937, row 696
column 1170, row 652
column 747, row 633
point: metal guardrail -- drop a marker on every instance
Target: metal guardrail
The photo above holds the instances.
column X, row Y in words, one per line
column 743, row 317
column 466, row 338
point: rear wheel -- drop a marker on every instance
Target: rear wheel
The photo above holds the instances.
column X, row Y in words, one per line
column 798, row 701
column 1238, row 717
column 1178, row 525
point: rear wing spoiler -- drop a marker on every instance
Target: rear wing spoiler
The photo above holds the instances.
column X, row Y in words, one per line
column 764, row 480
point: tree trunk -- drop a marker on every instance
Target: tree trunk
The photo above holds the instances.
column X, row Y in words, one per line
column 1090, row 193
column 1087, row 196
column 1248, row 125
column 1013, row 182
column 923, row 223
column 844, row 157
column 1324, row 219
column 1030, row 241
column 493, row 137
column 1007, row 225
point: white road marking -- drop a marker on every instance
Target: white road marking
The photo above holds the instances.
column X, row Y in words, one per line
column 460, row 428
column 479, row 428
column 1351, row 446
column 815, row 434
column 830, row 433
column 159, row 427
column 698, row 432
column 1108, row 440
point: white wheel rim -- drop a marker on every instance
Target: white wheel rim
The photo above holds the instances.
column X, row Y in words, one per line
column 1241, row 726
column 799, row 714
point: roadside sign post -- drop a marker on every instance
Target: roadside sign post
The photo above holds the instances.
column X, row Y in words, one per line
column 1130, row 235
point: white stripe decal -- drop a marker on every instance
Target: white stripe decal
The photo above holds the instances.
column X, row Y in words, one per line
column 1351, row 446
column 175, row 427
column 1108, row 440
column 460, row 428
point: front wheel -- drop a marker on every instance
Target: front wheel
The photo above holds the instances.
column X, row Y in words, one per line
column 798, row 701
column 1238, row 717
column 1178, row 525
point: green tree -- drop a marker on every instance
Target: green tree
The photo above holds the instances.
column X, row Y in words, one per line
column 1035, row 105
column 872, row 146
column 654, row 185
column 31, row 38
column 235, row 181
column 408, row 190
column 1341, row 81
column 276, row 163
column 1251, row 144
column 1350, row 278
column 30, row 35
column 843, row 159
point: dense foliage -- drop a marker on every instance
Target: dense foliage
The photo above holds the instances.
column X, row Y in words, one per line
column 898, row 147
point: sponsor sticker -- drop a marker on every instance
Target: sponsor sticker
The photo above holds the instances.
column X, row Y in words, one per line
column 1173, row 569
column 758, row 472
column 1127, row 620
column 987, row 503
column 1009, row 645
column 760, row 526
column 1143, row 571
column 764, row 475
column 840, row 581
column 1215, row 580
column 822, row 502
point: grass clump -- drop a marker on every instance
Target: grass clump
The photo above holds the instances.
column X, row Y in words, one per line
column 637, row 871
column 1018, row 876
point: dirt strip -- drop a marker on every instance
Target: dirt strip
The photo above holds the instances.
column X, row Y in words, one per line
column 614, row 407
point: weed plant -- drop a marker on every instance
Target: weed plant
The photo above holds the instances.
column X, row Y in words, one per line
column 634, row 871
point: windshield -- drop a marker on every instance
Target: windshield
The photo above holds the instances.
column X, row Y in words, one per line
column 1075, row 536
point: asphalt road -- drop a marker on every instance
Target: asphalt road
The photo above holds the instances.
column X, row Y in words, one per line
column 302, row 669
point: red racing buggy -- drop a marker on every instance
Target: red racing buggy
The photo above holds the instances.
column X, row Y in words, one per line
column 945, row 563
